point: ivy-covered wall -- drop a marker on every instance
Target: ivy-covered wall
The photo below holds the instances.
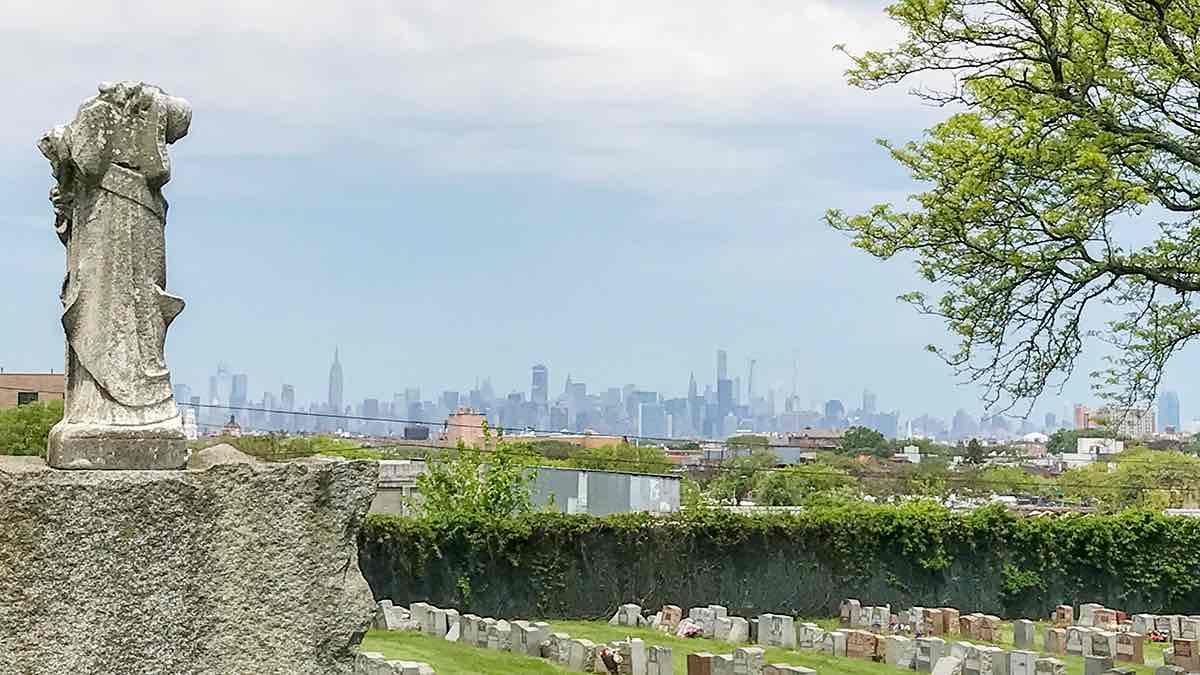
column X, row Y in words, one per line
column 561, row 566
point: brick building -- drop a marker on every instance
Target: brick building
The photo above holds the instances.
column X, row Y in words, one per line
column 21, row 388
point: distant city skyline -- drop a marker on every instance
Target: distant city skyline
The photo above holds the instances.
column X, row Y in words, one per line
column 714, row 410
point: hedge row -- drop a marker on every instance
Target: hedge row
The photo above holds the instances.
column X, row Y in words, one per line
column 568, row 566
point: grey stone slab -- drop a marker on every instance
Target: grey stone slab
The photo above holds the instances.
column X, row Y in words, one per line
column 149, row 568
column 1024, row 632
column 1096, row 665
column 777, row 630
column 948, row 665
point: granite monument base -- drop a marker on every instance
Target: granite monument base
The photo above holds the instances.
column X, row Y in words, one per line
column 238, row 568
column 159, row 446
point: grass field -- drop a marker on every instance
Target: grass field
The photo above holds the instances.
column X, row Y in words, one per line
column 451, row 658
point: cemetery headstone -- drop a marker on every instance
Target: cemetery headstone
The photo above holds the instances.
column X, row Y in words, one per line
column 932, row 620
column 900, row 651
column 929, row 651
column 669, row 618
column 1049, row 666
column 699, row 663
column 582, row 656
column 785, row 669
column 1143, row 623
column 1131, row 648
column 1096, row 665
column 948, row 665
column 628, row 615
column 1022, row 663
column 659, row 661
column 1105, row 619
column 861, row 644
column 1104, row 643
column 992, row 660
column 950, row 617
column 733, row 629
column 1184, row 654
column 1056, row 640
column 1023, row 633
column 850, row 613
column 1087, row 613
column 989, row 628
column 777, row 630
column 970, row 626
column 1064, row 616
column 748, row 661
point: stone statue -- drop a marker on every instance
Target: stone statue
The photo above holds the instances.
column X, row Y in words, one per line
column 110, row 164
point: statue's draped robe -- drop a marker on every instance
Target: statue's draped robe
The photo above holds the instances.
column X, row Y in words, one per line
column 116, row 311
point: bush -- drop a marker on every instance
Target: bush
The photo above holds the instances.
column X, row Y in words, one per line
column 571, row 566
column 25, row 428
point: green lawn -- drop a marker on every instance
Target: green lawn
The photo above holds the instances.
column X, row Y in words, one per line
column 451, row 658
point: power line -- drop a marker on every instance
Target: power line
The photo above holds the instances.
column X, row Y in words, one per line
column 549, row 434
column 860, row 474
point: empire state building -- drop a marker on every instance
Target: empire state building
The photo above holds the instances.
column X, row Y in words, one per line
column 335, row 385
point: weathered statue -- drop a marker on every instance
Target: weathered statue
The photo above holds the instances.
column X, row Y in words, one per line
column 110, row 164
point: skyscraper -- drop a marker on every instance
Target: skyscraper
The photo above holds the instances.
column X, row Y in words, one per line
column 239, row 393
column 335, row 384
column 722, row 366
column 1168, row 412
column 724, row 402
column 539, row 390
column 868, row 402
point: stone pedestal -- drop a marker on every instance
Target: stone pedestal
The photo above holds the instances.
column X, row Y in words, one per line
column 239, row 568
column 160, row 446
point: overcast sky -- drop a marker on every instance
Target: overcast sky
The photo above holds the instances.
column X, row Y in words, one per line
column 450, row 191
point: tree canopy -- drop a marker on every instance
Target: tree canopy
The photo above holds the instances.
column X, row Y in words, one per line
column 865, row 440
column 1067, row 178
column 25, row 428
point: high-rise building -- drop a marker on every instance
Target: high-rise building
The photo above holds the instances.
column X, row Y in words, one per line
column 725, row 402
column 238, row 393
column 868, row 402
column 652, row 420
column 834, row 409
column 1168, row 413
column 287, row 397
column 1133, row 422
column 335, row 384
column 1050, row 424
column 722, row 366
column 1081, row 416
column 539, row 390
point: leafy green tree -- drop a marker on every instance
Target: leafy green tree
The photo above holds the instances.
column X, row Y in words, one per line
column 794, row 486
column 1137, row 478
column 620, row 457
column 25, row 428
column 736, row 478
column 1068, row 178
column 471, row 483
column 1066, row 440
column 975, row 453
column 859, row 440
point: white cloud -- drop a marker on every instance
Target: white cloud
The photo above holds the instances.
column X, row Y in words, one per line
column 617, row 91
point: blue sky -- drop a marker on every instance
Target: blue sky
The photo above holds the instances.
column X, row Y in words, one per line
column 615, row 191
